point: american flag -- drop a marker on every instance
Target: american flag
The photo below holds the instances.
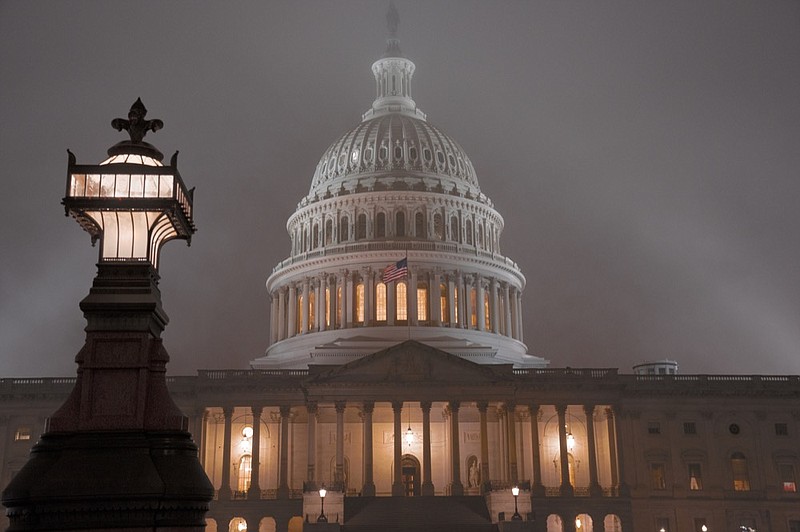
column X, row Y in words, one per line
column 395, row 271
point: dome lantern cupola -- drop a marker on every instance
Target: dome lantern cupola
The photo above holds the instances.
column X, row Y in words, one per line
column 393, row 73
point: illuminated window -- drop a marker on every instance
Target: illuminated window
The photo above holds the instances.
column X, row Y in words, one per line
column 443, row 304
column 473, row 301
column 486, row 311
column 245, row 469
column 401, row 294
column 327, row 307
column 311, row 308
column 380, row 225
column 455, row 304
column 422, row 303
column 22, row 434
column 400, row 223
column 658, row 479
column 343, row 233
column 419, row 225
column 380, row 302
column 361, row 227
column 741, row 478
column 360, row 302
column 788, row 482
column 695, row 477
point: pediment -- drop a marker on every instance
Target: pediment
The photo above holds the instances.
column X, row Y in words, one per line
column 411, row 362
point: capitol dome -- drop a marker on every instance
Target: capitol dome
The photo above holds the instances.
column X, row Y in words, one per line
column 395, row 191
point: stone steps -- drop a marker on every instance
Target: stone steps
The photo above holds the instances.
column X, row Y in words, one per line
column 406, row 514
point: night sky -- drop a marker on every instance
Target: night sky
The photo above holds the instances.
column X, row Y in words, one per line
column 644, row 154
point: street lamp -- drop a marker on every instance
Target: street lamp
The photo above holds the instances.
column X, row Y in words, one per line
column 515, row 493
column 322, row 493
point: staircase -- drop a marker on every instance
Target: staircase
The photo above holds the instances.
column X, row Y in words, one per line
column 412, row 514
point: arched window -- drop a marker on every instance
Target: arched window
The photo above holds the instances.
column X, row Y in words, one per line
column 422, row 302
column 469, row 232
column 311, row 309
column 419, row 225
column 480, row 235
column 741, row 477
column 443, row 304
column 401, row 297
column 380, row 225
column 380, row 302
column 438, row 226
column 328, row 232
column 316, row 236
column 400, row 223
column 343, row 232
column 454, row 236
column 361, row 227
column 360, row 303
column 237, row 524
column 245, row 468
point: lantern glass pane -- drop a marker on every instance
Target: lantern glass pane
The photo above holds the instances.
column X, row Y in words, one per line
column 122, row 186
column 165, row 190
column 78, row 187
column 151, row 186
column 110, row 235
column 137, row 186
column 107, row 186
column 93, row 186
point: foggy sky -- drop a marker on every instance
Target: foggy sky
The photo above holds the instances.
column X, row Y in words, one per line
column 644, row 156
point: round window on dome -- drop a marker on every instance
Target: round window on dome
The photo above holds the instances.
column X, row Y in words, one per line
column 368, row 154
column 383, row 153
column 440, row 157
column 398, row 152
column 452, row 160
column 412, row 153
column 427, row 154
column 354, row 155
column 342, row 160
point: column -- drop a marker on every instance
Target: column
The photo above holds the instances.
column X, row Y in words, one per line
column 255, row 455
column 292, row 314
column 397, row 485
column 512, row 305
column 566, row 486
column 319, row 303
column 507, row 309
column 479, row 303
column 486, row 480
column 451, row 302
column 225, row 488
column 369, row 484
column 201, row 444
column 304, row 307
column 281, row 313
column 493, row 313
column 468, row 302
column 462, row 317
column 434, row 290
column 273, row 319
column 519, row 317
column 369, row 297
column 427, row 482
column 347, row 295
column 594, row 485
column 615, row 450
column 332, row 302
column 512, row 442
column 283, row 479
column 339, row 473
column 456, row 488
column 412, row 296
column 311, row 473
column 391, row 302
column 537, row 488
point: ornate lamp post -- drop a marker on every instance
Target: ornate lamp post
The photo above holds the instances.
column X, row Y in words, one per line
column 515, row 493
column 322, row 493
column 117, row 454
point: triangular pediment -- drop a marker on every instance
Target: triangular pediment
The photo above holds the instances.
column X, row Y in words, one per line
column 411, row 362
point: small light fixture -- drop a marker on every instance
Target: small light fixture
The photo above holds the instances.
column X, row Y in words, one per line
column 704, row 528
column 322, row 493
column 409, row 436
column 515, row 493
column 578, row 523
column 570, row 441
column 242, row 526
column 247, row 432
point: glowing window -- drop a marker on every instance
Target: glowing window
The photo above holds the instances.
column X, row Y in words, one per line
column 788, row 482
column 360, row 302
column 486, row 310
column 443, row 304
column 422, row 303
column 741, row 477
column 327, row 307
column 380, row 302
column 695, row 477
column 401, row 292
column 245, row 469
column 22, row 434
column 311, row 309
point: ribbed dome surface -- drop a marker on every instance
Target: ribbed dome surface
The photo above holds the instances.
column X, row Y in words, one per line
column 396, row 143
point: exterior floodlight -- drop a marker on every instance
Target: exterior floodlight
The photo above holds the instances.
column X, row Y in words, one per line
column 515, row 493
column 131, row 202
column 322, row 493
